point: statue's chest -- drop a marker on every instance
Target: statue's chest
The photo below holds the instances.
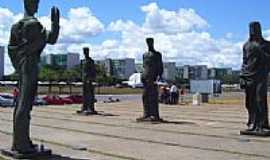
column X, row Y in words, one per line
column 31, row 29
column 150, row 59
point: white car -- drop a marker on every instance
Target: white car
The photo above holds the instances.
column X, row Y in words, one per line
column 6, row 102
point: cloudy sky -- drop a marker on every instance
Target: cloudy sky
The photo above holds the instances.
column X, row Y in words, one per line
column 186, row 31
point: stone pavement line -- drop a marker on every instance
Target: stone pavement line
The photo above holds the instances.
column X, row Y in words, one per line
column 152, row 129
column 70, row 146
column 163, row 108
column 145, row 128
column 177, row 117
column 159, row 130
column 174, row 117
column 182, row 117
column 59, row 152
column 150, row 141
column 212, row 114
column 126, row 112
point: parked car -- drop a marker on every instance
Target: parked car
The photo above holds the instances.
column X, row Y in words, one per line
column 57, row 100
column 76, row 99
column 7, row 96
column 5, row 102
column 39, row 101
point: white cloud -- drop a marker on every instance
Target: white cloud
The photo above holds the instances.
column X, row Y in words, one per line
column 77, row 27
column 170, row 22
column 180, row 35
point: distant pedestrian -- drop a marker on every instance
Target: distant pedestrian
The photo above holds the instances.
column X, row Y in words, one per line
column 182, row 94
column 173, row 94
column 15, row 96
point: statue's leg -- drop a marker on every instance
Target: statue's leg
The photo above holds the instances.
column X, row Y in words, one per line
column 265, row 106
column 250, row 104
column 22, row 142
column 92, row 96
column 85, row 105
column 15, row 110
column 145, row 98
column 259, row 107
column 154, row 101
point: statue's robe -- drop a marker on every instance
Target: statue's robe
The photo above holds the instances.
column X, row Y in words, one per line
column 153, row 67
column 27, row 40
column 254, row 76
column 89, row 76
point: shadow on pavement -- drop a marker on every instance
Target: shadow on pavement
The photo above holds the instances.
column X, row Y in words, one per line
column 101, row 113
column 58, row 157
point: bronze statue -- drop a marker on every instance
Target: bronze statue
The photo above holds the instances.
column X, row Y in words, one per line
column 88, row 76
column 254, row 75
column 27, row 41
column 153, row 70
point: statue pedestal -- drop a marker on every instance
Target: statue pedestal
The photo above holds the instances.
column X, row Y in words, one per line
column 87, row 113
column 262, row 133
column 37, row 154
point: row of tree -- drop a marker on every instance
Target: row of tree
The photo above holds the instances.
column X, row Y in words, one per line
column 53, row 73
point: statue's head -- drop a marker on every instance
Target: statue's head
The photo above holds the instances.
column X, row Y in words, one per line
column 31, row 6
column 255, row 30
column 150, row 42
column 86, row 51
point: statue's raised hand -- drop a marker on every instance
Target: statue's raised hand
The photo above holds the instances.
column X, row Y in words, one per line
column 55, row 15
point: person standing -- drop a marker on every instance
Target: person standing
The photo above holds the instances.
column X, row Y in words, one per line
column 173, row 94
column 15, row 96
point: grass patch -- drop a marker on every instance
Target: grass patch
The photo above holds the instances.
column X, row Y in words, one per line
column 226, row 101
column 78, row 90
column 1, row 158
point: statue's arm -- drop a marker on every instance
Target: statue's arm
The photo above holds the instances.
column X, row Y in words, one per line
column 13, row 45
column 244, row 59
column 53, row 34
column 243, row 69
column 95, row 70
column 161, row 70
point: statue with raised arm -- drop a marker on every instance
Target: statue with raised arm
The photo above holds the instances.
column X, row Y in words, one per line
column 153, row 70
column 27, row 41
column 253, row 79
column 88, row 76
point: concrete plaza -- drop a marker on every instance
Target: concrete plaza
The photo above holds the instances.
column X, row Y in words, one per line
column 206, row 132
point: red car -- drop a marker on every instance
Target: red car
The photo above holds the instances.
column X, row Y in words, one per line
column 76, row 99
column 57, row 100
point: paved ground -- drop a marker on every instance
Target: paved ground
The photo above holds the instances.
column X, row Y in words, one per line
column 207, row 132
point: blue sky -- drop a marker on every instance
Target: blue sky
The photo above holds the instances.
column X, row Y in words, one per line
column 209, row 32
column 223, row 15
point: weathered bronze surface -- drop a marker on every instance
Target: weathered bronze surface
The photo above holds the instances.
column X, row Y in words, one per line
column 88, row 76
column 27, row 41
column 153, row 70
column 254, row 75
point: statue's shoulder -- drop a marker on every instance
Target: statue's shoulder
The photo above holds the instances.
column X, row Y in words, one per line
column 17, row 26
column 246, row 44
column 249, row 45
column 158, row 53
column 267, row 42
column 145, row 54
column 92, row 60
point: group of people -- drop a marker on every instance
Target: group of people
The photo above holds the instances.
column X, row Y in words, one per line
column 170, row 94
